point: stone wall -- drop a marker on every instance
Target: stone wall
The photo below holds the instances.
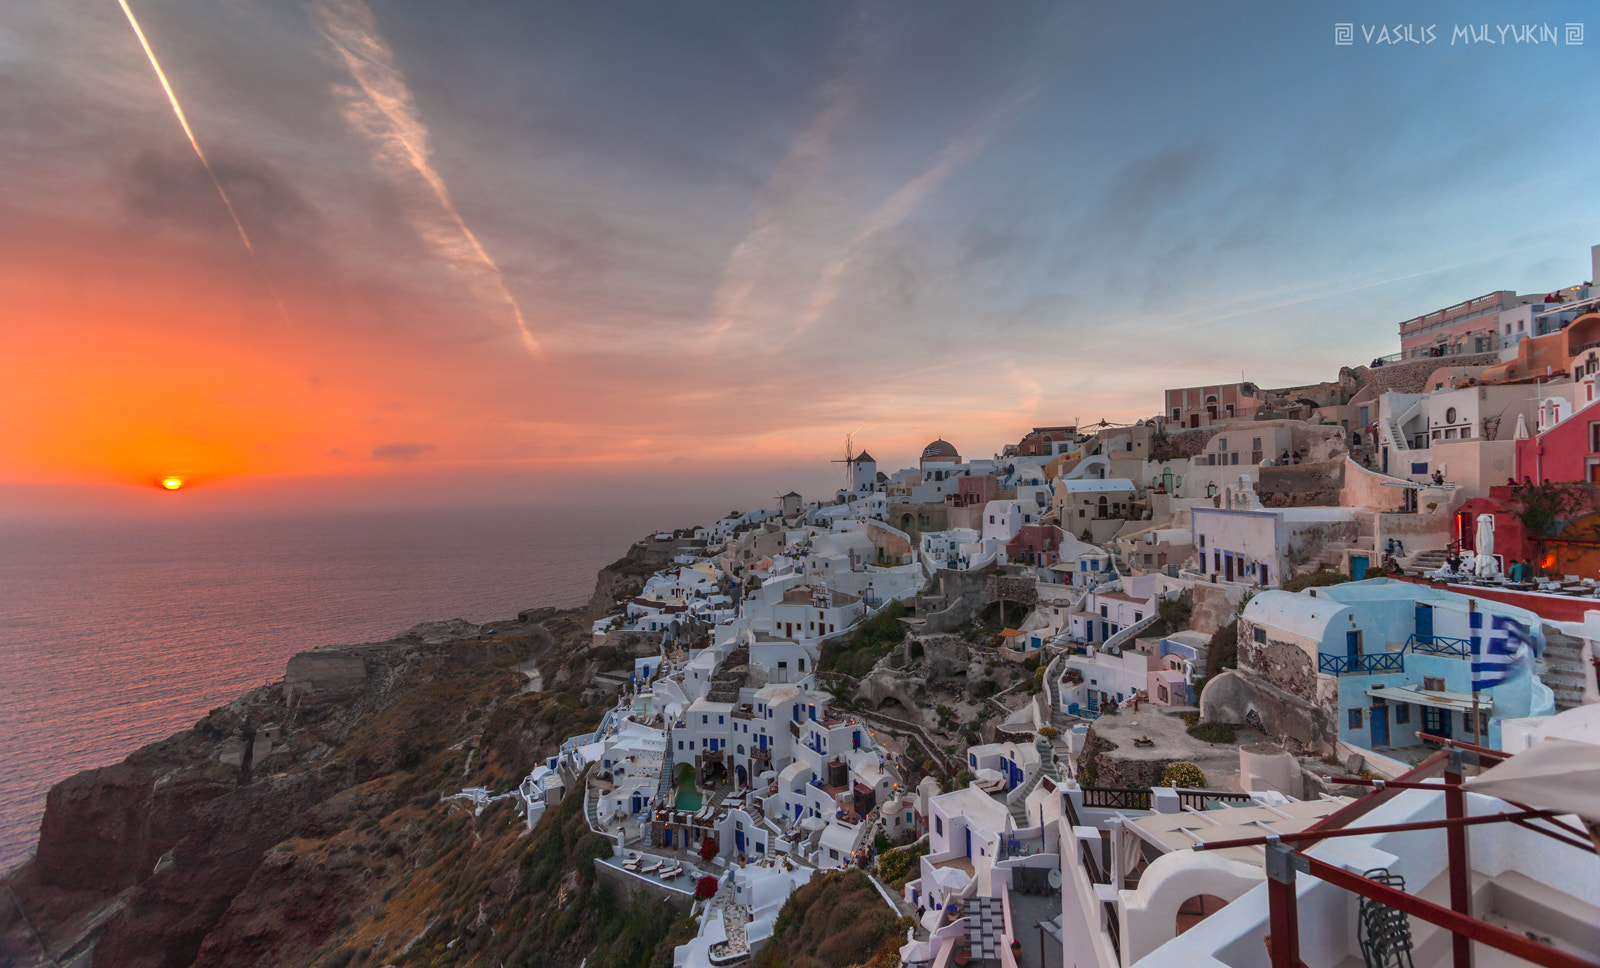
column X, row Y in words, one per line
column 1299, row 725
column 1301, row 485
column 323, row 674
column 1213, row 607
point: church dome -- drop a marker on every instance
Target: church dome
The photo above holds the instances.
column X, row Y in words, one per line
column 940, row 451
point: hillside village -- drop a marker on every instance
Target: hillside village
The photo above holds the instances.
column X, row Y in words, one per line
column 1118, row 684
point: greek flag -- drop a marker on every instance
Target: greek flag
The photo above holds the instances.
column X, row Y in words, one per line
column 1494, row 649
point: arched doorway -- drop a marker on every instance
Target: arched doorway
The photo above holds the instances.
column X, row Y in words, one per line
column 1197, row 909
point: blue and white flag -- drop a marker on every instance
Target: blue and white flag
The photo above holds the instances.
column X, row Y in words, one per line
column 1494, row 649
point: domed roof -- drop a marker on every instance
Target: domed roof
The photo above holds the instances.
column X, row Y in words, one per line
column 941, row 450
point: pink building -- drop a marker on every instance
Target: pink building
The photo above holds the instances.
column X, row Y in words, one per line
column 1035, row 544
column 972, row 490
column 1204, row 406
column 1467, row 327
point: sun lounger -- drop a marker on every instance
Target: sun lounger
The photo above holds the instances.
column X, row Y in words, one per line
column 650, row 868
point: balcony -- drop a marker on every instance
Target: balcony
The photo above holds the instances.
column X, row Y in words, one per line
column 1440, row 645
column 761, row 753
column 1360, row 664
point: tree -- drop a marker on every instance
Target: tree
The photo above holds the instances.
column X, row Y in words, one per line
column 705, row 887
column 708, row 849
column 1547, row 509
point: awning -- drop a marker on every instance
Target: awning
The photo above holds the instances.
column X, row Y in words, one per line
column 1012, row 633
column 1459, row 701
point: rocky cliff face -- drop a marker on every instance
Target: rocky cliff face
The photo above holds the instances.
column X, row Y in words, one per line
column 175, row 858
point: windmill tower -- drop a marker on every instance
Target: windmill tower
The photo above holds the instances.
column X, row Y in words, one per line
column 860, row 471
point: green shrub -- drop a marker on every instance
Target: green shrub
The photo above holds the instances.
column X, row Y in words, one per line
column 1183, row 774
column 1318, row 579
column 1223, row 652
column 1213, row 732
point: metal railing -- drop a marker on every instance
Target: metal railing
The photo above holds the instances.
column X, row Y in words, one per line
column 1440, row 645
column 1376, row 662
column 1198, row 798
column 1116, row 798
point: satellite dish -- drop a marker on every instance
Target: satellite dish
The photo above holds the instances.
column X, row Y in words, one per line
column 1055, row 880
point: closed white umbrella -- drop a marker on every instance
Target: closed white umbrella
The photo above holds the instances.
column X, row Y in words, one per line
column 1486, row 566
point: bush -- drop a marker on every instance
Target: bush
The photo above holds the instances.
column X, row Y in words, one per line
column 1213, row 732
column 708, row 849
column 1319, row 579
column 1223, row 651
column 1049, row 732
column 1183, row 774
column 1174, row 611
column 898, row 864
column 705, row 887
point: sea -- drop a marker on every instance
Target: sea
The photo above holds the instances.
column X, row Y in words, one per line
column 116, row 633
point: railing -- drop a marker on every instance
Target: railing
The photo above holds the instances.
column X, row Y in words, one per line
column 1376, row 662
column 1113, row 929
column 1197, row 798
column 1440, row 645
column 1116, row 798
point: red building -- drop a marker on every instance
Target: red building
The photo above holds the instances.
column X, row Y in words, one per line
column 1035, row 544
column 1565, row 451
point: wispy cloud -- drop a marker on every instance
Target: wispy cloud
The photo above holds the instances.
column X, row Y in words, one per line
column 909, row 197
column 748, row 260
column 380, row 107
column 400, row 451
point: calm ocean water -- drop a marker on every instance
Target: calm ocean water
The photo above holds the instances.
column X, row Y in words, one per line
column 112, row 636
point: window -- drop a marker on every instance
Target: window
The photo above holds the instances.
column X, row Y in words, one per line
column 938, row 826
column 1233, row 458
column 1222, row 443
column 1259, row 634
column 1202, row 541
column 1450, row 415
column 1402, row 714
column 719, row 721
column 1355, row 719
column 1255, row 443
column 704, row 720
column 1433, row 684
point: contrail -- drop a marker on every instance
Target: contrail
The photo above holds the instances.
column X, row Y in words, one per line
column 908, row 198
column 193, row 141
column 384, row 110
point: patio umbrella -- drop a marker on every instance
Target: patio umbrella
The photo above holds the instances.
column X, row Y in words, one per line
column 1554, row 774
column 1486, row 566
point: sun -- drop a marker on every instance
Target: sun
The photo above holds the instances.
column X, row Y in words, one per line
column 172, row 483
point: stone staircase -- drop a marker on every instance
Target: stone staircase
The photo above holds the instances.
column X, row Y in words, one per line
column 1561, row 669
column 1426, row 561
column 1017, row 800
column 663, row 793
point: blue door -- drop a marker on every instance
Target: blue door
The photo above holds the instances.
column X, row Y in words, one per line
column 738, row 840
column 969, row 841
column 1352, row 646
column 1425, row 624
column 1358, row 567
column 1380, row 726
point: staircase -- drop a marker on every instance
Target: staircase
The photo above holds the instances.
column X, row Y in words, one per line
column 1427, row 561
column 1017, row 800
column 663, row 793
column 1562, row 671
column 1395, row 436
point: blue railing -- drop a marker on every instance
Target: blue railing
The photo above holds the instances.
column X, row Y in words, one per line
column 1440, row 645
column 1376, row 662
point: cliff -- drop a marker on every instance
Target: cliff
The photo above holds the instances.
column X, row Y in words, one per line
column 328, row 841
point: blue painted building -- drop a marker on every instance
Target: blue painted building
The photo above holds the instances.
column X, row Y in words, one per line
column 1377, row 662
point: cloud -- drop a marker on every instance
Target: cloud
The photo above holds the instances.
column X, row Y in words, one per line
column 179, row 189
column 400, row 452
column 381, row 108
column 910, row 197
column 748, row 260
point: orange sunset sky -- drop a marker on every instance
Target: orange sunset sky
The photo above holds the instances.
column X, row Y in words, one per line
column 530, row 250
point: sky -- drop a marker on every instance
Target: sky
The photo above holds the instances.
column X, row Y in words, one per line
column 487, row 252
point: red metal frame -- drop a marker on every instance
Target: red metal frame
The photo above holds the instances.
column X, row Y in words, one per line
column 1283, row 916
